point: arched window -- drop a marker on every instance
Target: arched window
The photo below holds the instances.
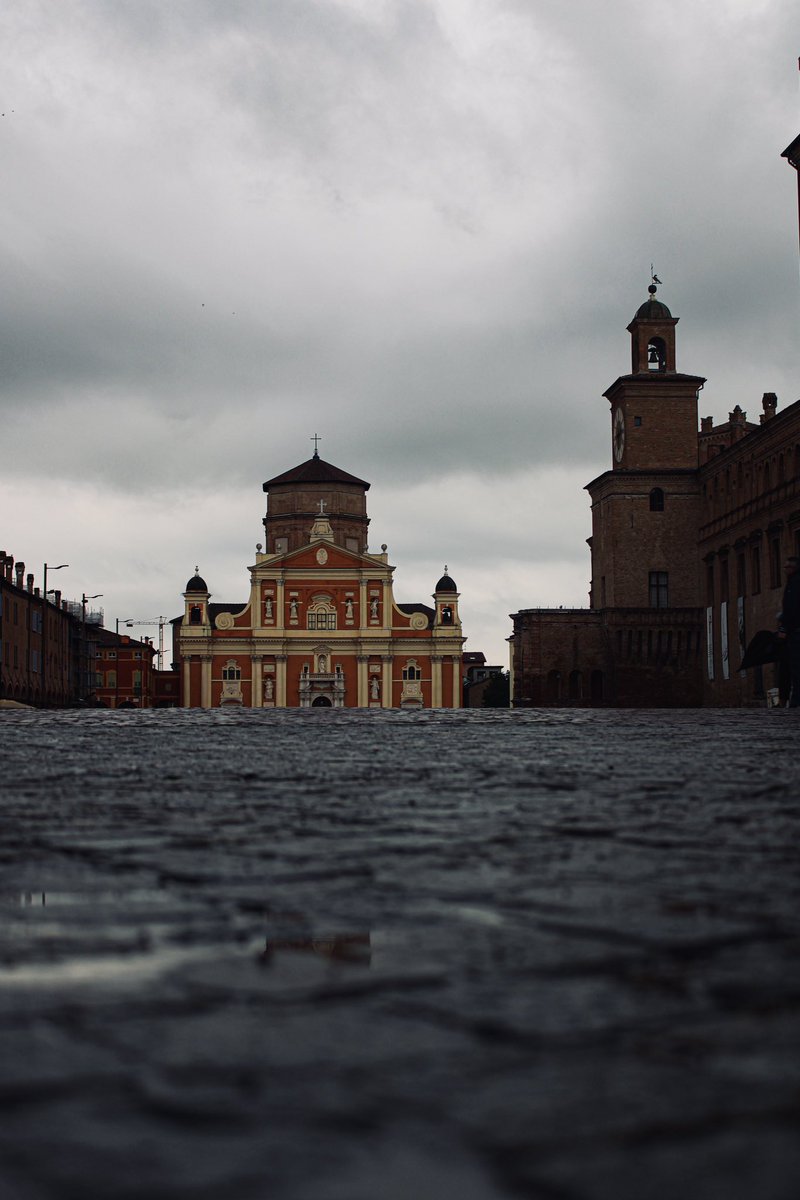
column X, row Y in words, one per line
column 231, row 670
column 656, row 354
column 554, row 686
column 411, row 670
column 597, row 687
column 575, row 685
column 321, row 614
column 657, row 500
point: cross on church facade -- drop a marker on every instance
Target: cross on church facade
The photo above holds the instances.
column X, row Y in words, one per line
column 316, row 439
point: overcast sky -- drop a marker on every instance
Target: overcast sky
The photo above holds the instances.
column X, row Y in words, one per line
column 417, row 228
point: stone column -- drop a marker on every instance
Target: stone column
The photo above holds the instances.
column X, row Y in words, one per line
column 256, row 604
column 187, row 683
column 257, row 682
column 456, row 682
column 363, row 606
column 280, row 615
column 280, row 677
column 386, row 689
column 387, row 603
column 363, row 681
column 436, row 681
column 205, row 681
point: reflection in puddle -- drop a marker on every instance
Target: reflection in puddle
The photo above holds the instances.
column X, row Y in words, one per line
column 342, row 947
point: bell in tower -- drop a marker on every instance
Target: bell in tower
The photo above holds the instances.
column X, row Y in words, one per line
column 652, row 333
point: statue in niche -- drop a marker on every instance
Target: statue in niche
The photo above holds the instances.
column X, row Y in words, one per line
column 348, row 609
column 269, row 688
column 375, row 689
column 293, row 608
column 373, row 608
column 268, row 608
column 322, row 666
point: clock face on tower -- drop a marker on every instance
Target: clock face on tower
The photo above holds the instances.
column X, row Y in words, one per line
column 619, row 435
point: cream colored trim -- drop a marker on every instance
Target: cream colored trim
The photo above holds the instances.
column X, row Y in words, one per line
column 257, row 683
column 205, row 681
column 363, row 681
column 456, row 682
column 280, row 681
column 187, row 682
column 386, row 689
column 436, row 681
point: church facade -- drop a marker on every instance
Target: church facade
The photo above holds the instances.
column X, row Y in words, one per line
column 321, row 627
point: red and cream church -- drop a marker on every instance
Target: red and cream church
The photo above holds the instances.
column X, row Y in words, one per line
column 321, row 627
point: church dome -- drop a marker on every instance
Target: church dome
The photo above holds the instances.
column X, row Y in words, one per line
column 196, row 584
column 652, row 309
column 446, row 584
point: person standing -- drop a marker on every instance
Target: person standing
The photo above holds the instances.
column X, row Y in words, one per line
column 789, row 628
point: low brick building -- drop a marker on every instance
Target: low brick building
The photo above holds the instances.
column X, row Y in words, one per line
column 123, row 670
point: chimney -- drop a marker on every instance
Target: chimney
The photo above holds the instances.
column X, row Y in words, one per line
column 29, row 581
column 706, row 424
column 9, row 570
column 57, row 598
column 19, row 571
column 769, row 403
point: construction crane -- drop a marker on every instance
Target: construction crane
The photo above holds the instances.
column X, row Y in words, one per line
column 160, row 622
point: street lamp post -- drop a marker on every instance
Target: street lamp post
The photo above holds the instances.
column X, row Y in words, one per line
column 84, row 598
column 125, row 621
column 60, row 567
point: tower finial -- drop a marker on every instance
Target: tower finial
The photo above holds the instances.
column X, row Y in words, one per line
column 653, row 281
column 315, row 439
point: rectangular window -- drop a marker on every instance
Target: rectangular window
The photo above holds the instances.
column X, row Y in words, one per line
column 659, row 589
column 322, row 620
column 111, row 679
column 741, row 575
column 137, row 681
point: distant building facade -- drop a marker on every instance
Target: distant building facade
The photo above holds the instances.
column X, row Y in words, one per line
column 39, row 642
column 321, row 627
column 123, row 670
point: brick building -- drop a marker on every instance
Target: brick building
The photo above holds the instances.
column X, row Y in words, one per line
column 689, row 533
column 321, row 627
column 39, row 641
column 123, row 670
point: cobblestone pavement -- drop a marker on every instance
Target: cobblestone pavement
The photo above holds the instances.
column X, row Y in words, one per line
column 343, row 955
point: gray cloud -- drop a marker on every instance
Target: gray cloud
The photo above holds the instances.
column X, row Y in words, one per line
column 419, row 229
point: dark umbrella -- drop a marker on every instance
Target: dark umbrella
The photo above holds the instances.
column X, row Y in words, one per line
column 764, row 647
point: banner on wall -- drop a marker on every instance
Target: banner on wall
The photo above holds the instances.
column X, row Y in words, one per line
column 710, row 641
column 723, row 638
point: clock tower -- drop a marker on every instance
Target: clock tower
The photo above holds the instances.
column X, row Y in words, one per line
column 644, row 509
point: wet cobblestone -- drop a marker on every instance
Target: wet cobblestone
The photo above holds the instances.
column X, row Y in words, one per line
column 342, row 955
